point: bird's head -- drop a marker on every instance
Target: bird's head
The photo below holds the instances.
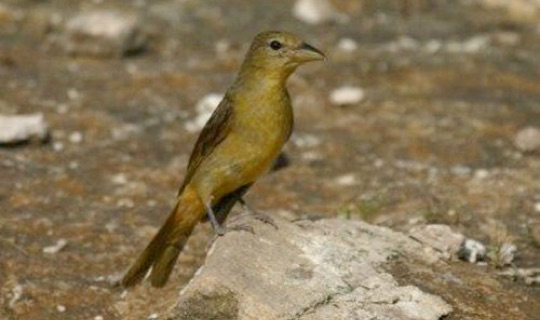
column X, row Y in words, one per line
column 280, row 52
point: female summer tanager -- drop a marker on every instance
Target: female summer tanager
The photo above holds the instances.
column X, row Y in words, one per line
column 237, row 145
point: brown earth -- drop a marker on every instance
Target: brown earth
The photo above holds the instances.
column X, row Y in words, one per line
column 448, row 85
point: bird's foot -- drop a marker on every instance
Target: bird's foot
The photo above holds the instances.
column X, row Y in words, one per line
column 241, row 227
column 218, row 229
column 261, row 216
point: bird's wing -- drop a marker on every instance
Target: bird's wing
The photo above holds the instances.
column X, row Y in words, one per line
column 215, row 130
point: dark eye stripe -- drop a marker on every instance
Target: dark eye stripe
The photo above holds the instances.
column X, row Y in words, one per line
column 276, row 45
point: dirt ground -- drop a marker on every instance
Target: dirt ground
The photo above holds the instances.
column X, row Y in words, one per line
column 447, row 84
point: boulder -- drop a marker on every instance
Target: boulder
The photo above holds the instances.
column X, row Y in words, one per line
column 327, row 269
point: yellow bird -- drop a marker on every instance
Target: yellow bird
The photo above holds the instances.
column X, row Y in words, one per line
column 237, row 145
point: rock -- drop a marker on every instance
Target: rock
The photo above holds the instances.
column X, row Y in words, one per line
column 346, row 180
column 205, row 107
column 528, row 139
column 305, row 140
column 347, row 45
column 347, row 95
column 329, row 269
column 317, row 11
column 60, row 244
column 22, row 128
column 439, row 237
column 103, row 33
column 472, row 251
column 506, row 254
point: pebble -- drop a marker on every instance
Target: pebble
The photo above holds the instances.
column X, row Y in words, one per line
column 347, row 45
column 22, row 128
column 60, row 244
column 103, row 33
column 205, row 107
column 472, row 251
column 119, row 179
column 346, row 180
column 60, row 308
column 316, row 12
column 461, row 170
column 305, row 140
column 58, row 146
column 347, row 95
column 506, row 254
column 481, row 174
column 528, row 139
column 75, row 137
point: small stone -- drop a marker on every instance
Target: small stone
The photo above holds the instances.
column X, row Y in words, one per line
column 506, row 254
column 60, row 308
column 205, row 107
column 461, row 170
column 73, row 94
column 98, row 318
column 76, row 137
column 346, row 180
column 481, row 174
column 126, row 203
column 472, row 251
column 528, row 139
column 317, row 11
column 305, row 140
column 58, row 146
column 119, row 179
column 60, row 244
column 347, row 45
column 22, row 128
column 153, row 316
column 103, row 33
column 347, row 95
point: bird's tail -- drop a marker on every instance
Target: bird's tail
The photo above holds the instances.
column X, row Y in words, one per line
column 162, row 252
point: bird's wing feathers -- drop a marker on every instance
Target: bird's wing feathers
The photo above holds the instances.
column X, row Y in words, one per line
column 215, row 130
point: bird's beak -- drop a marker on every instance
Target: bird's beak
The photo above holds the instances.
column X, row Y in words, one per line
column 306, row 53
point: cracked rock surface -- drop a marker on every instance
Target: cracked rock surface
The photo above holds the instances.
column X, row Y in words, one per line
column 328, row 269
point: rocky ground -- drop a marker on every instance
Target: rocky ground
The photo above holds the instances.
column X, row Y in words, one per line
column 425, row 112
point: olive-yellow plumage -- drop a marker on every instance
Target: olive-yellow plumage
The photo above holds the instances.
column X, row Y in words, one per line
column 238, row 144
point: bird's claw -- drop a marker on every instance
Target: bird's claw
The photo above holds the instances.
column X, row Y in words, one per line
column 261, row 216
column 242, row 227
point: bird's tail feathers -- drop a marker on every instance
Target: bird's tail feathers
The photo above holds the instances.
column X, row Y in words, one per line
column 162, row 252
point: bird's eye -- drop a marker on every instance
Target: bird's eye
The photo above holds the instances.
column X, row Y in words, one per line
column 276, row 45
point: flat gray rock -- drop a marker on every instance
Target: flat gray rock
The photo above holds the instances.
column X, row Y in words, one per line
column 328, row 269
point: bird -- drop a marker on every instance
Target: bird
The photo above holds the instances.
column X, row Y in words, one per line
column 238, row 144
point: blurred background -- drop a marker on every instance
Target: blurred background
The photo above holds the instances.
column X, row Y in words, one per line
column 425, row 112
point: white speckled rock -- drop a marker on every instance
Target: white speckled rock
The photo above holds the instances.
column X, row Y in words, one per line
column 329, row 269
column 103, row 33
column 528, row 139
column 317, row 11
column 21, row 128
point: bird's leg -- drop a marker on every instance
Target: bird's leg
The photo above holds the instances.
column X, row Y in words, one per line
column 218, row 229
column 261, row 216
